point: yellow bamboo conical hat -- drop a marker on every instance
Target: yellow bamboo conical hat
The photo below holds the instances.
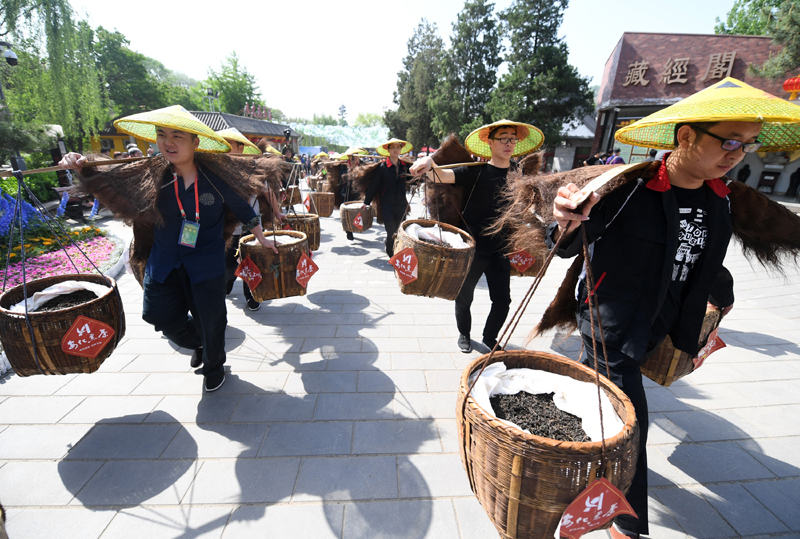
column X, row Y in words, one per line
column 272, row 150
column 144, row 124
column 352, row 150
column 383, row 149
column 729, row 100
column 234, row 134
column 530, row 139
column 320, row 155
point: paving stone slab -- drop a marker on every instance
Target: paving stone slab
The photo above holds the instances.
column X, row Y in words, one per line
column 663, row 431
column 271, row 408
column 781, row 497
column 170, row 384
column 472, row 519
column 106, row 409
column 425, row 405
column 741, row 510
column 717, row 461
column 321, row 382
column 50, row 523
column 423, row 361
column 429, row 519
column 396, row 437
column 36, row 410
column 243, row 481
column 780, row 455
column 357, row 361
column 212, row 440
column 103, row 384
column 168, row 523
column 40, row 441
column 346, row 478
column 15, row 386
column 781, row 420
column 715, row 425
column 391, row 381
column 193, row 409
column 768, row 393
column 38, row 483
column 295, row 521
column 149, row 363
column 695, row 515
column 116, row 442
column 128, row 483
column 336, row 406
column 308, row 439
column 423, row 476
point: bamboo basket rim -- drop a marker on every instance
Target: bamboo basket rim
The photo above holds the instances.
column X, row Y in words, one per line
column 627, row 431
column 466, row 236
column 294, row 233
column 100, row 279
column 303, row 217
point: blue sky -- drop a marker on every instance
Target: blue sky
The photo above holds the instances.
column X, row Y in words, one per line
column 311, row 56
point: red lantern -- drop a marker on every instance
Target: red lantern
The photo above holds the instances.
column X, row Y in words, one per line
column 792, row 85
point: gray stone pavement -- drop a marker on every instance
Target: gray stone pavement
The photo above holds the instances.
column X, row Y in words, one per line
column 337, row 420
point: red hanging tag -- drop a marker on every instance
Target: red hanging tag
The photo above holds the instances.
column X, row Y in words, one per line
column 405, row 264
column 713, row 344
column 249, row 273
column 287, row 226
column 521, row 260
column 594, row 507
column 306, row 268
column 358, row 222
column 307, row 203
column 86, row 337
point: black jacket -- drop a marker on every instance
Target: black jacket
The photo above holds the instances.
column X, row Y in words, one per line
column 634, row 238
column 390, row 183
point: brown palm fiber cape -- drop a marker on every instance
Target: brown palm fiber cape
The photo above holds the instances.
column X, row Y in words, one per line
column 131, row 191
column 361, row 178
column 766, row 230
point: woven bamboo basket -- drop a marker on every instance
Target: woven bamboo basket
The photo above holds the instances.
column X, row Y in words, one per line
column 525, row 482
column 50, row 327
column 441, row 270
column 668, row 364
column 293, row 196
column 278, row 271
column 349, row 211
column 308, row 224
column 312, row 182
column 326, row 187
column 322, row 203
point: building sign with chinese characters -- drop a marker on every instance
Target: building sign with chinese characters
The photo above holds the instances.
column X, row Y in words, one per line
column 656, row 70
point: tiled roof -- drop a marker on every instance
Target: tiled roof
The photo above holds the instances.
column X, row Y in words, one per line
column 248, row 126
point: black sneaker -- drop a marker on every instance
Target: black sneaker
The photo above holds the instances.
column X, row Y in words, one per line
column 214, row 382
column 465, row 344
column 490, row 344
column 197, row 358
column 350, row 236
column 253, row 305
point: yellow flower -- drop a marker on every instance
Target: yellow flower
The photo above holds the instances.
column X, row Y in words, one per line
column 77, row 233
column 13, row 254
column 27, row 245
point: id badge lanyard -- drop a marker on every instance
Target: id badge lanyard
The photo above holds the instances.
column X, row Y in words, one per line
column 189, row 230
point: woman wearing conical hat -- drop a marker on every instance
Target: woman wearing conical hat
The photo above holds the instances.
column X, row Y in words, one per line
column 389, row 183
column 660, row 241
column 183, row 205
column 499, row 142
column 351, row 161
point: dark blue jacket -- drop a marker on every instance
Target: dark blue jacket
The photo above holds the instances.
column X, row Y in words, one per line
column 207, row 259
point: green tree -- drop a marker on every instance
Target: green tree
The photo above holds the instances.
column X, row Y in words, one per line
column 469, row 72
column 235, row 84
column 131, row 87
column 324, row 119
column 784, row 27
column 368, row 119
column 747, row 17
column 415, row 83
column 541, row 87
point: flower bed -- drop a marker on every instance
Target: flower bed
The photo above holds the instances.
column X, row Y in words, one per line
column 103, row 251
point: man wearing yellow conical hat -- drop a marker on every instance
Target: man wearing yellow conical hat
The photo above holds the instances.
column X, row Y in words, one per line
column 499, row 142
column 659, row 242
column 389, row 183
column 184, row 201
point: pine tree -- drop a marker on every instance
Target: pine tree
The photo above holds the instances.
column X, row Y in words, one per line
column 541, row 88
column 783, row 25
column 415, row 82
column 469, row 72
column 747, row 17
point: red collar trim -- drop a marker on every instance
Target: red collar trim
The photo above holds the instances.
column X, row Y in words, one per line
column 388, row 163
column 660, row 182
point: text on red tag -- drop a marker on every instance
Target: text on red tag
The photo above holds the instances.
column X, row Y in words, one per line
column 86, row 337
column 594, row 507
column 249, row 273
column 306, row 268
column 406, row 265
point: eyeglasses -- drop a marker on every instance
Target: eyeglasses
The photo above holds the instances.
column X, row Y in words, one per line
column 507, row 140
column 730, row 145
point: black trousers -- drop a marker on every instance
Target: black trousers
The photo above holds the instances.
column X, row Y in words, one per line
column 168, row 305
column 392, row 217
column 498, row 277
column 626, row 375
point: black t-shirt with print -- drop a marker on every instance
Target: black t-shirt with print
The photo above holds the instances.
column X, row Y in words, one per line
column 483, row 187
column 692, row 236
